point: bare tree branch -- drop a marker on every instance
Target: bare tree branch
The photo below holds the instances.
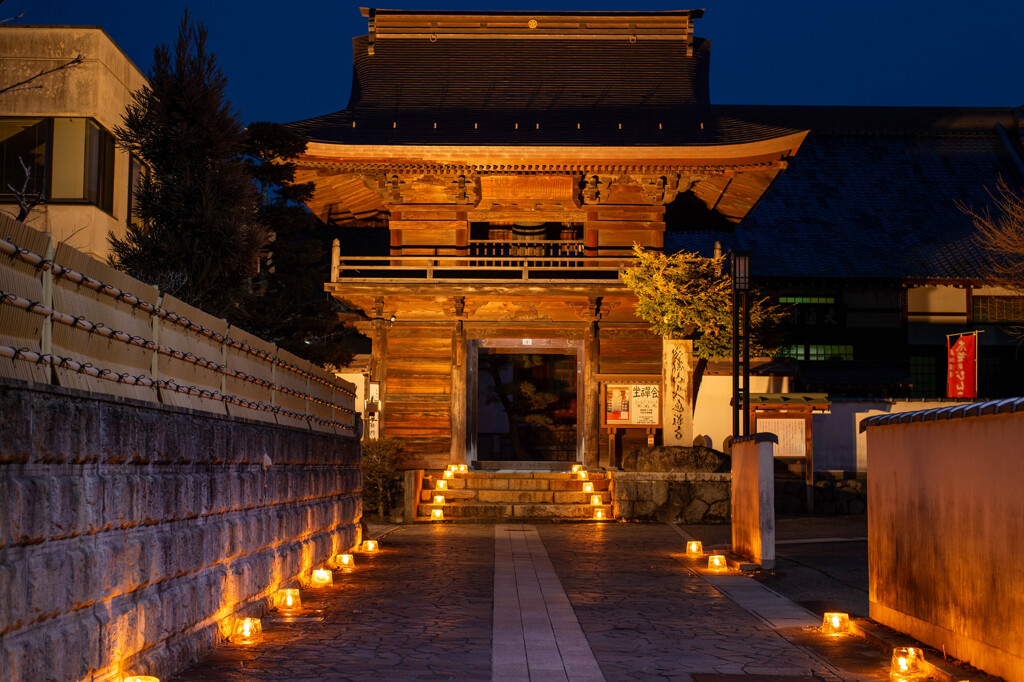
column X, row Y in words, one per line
column 1001, row 234
column 26, row 200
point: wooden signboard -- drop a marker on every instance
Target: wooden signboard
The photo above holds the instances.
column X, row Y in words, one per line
column 632, row 405
column 792, row 434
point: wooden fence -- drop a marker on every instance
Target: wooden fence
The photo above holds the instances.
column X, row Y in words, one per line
column 70, row 320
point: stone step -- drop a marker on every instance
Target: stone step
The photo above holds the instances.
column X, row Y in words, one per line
column 484, row 510
column 469, row 481
column 449, row 495
column 548, row 475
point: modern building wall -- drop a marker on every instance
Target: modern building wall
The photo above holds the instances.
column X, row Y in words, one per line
column 945, row 526
column 100, row 88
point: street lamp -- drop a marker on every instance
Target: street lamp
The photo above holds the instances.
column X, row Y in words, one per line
column 740, row 271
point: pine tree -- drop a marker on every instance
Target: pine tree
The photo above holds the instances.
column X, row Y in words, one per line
column 200, row 237
column 291, row 308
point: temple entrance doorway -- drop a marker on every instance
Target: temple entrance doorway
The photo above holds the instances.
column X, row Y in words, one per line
column 526, row 405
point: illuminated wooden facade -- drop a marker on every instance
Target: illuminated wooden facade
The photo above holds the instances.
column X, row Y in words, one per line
column 515, row 159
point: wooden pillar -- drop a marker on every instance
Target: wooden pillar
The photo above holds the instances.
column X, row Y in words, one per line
column 592, row 397
column 458, row 402
column 379, row 362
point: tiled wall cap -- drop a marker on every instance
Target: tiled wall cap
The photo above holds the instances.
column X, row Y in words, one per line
column 757, row 438
column 990, row 407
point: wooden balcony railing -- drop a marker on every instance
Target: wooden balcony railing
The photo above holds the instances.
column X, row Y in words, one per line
column 536, row 269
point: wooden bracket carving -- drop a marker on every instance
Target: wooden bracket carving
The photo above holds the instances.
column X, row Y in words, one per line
column 460, row 305
column 594, row 188
column 378, row 307
column 464, row 190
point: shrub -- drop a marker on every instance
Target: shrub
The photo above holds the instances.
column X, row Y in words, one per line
column 381, row 477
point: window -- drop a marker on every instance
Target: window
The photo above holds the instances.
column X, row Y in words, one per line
column 100, row 164
column 807, row 299
column 924, row 377
column 819, row 352
column 23, row 141
column 70, row 159
column 998, row 309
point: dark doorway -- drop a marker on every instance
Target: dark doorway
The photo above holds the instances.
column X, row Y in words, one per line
column 526, row 407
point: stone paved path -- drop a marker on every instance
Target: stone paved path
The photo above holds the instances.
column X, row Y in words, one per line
column 559, row 602
column 648, row 616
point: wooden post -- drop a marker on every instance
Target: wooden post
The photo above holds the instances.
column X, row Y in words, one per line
column 472, row 397
column 379, row 365
column 335, row 260
column 458, row 402
column 592, row 397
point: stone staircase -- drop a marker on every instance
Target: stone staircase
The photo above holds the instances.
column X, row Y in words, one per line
column 502, row 495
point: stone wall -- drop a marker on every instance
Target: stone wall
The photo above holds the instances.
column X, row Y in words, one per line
column 945, row 525
column 685, row 497
column 131, row 534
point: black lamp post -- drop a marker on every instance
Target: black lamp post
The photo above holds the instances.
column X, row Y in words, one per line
column 740, row 271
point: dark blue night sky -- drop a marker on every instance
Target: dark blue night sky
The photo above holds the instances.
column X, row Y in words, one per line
column 291, row 60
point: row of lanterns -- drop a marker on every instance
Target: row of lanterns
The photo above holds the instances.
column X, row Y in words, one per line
column 441, row 485
column 287, row 601
column 907, row 663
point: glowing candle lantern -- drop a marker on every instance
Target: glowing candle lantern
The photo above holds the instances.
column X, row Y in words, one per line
column 287, row 600
column 141, row 678
column 595, row 499
column 345, row 562
column 694, row 548
column 437, row 514
column 248, row 631
column 599, row 514
column 441, row 484
column 588, row 487
column 576, row 468
column 463, row 468
column 438, row 499
column 582, row 475
column 716, row 562
column 835, row 624
column 452, row 467
column 449, row 474
column 370, row 546
column 322, row 578
column 907, row 662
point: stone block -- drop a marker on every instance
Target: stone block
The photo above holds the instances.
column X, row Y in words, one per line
column 514, row 496
column 528, row 483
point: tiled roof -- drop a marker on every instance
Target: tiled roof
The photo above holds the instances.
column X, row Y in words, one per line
column 527, row 91
column 989, row 407
column 872, row 193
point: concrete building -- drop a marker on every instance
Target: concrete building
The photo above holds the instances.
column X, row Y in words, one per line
column 61, row 126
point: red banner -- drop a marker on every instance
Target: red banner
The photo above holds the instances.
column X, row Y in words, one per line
column 961, row 376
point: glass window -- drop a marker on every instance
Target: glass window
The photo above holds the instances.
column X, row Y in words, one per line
column 807, row 299
column 924, row 377
column 23, row 140
column 101, row 168
column 998, row 309
column 67, row 177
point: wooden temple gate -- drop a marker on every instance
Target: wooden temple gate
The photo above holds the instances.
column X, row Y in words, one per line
column 513, row 188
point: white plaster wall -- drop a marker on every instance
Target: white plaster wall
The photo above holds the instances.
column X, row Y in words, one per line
column 712, row 415
column 838, row 443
